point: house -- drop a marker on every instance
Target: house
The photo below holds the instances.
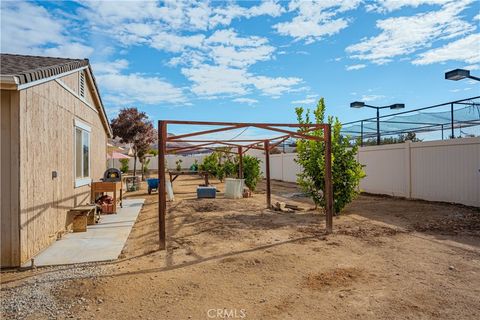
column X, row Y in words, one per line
column 53, row 143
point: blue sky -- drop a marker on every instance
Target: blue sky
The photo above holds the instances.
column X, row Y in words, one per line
column 256, row 61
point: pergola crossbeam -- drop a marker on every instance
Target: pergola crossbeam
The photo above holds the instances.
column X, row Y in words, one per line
column 174, row 138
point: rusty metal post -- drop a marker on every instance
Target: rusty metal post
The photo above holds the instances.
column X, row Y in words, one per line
column 240, row 163
column 328, row 179
column 267, row 173
column 162, row 199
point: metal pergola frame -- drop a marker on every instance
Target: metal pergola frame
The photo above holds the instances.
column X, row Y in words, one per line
column 268, row 145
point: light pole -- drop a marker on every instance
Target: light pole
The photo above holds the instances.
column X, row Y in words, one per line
column 459, row 74
column 455, row 75
column 360, row 104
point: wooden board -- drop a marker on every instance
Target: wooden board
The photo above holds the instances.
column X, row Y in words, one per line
column 9, row 184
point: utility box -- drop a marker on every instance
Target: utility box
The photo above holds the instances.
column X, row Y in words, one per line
column 206, row 192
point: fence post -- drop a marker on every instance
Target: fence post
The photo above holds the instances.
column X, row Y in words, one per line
column 408, row 169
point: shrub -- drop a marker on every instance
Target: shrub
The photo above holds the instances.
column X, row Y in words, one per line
column 194, row 166
column 251, row 171
column 124, row 165
column 346, row 171
column 145, row 165
column 210, row 164
column 230, row 169
column 178, row 164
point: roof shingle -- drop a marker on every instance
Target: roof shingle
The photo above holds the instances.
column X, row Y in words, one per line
column 32, row 68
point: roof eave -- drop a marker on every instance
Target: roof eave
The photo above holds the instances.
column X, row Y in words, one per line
column 9, row 82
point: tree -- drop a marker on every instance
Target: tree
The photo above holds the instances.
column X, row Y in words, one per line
column 134, row 127
column 401, row 138
column 210, row 164
column 346, row 171
column 251, row 171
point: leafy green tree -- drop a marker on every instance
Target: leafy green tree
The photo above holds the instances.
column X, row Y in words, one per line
column 210, row 164
column 124, row 165
column 251, row 171
column 346, row 170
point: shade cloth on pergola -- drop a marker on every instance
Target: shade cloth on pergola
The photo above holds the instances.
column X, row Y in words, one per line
column 242, row 145
column 117, row 155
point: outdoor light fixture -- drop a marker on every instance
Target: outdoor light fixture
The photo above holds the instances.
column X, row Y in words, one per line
column 360, row 104
column 459, row 74
column 357, row 104
column 396, row 106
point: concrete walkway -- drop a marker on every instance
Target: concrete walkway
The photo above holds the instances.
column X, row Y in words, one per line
column 101, row 242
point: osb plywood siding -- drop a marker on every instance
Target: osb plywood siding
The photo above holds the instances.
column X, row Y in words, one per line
column 47, row 119
column 71, row 81
column 9, row 183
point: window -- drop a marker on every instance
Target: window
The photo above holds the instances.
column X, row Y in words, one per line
column 82, row 154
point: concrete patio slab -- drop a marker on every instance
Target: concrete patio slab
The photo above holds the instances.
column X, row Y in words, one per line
column 101, row 242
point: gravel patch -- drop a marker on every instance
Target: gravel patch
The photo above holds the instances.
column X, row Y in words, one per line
column 35, row 297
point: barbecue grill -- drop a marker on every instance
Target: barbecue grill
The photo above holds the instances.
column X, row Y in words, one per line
column 112, row 175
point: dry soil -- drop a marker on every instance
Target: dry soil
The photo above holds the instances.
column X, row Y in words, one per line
column 387, row 259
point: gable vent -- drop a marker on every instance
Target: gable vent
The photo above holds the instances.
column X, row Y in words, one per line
column 82, row 84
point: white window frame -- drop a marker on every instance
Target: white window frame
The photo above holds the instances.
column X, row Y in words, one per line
column 79, row 182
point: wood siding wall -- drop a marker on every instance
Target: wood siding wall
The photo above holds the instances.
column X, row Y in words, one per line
column 47, row 115
column 9, row 174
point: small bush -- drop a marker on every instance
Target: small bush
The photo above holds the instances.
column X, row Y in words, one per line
column 178, row 164
column 210, row 164
column 251, row 171
column 124, row 165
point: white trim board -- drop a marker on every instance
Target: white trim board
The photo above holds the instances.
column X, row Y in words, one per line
column 40, row 81
column 82, row 125
column 66, row 87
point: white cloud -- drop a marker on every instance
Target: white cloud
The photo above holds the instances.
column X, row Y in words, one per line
column 225, row 15
column 309, row 99
column 248, row 101
column 466, row 50
column 129, row 16
column 355, row 67
column 241, row 57
column 41, row 34
column 122, row 89
column 211, row 81
column 225, row 47
column 69, row 50
column 230, row 37
column 316, row 19
column 371, row 97
column 391, row 5
column 136, row 88
column 458, row 90
column 407, row 34
column 110, row 67
column 216, row 64
column 472, row 67
column 275, row 86
column 174, row 43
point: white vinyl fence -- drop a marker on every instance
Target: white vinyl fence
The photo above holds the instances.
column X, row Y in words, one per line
column 187, row 161
column 446, row 170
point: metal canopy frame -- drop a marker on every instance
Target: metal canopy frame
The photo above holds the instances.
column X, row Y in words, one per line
column 361, row 129
column 268, row 145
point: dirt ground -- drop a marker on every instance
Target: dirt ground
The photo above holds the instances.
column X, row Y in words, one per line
column 233, row 259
